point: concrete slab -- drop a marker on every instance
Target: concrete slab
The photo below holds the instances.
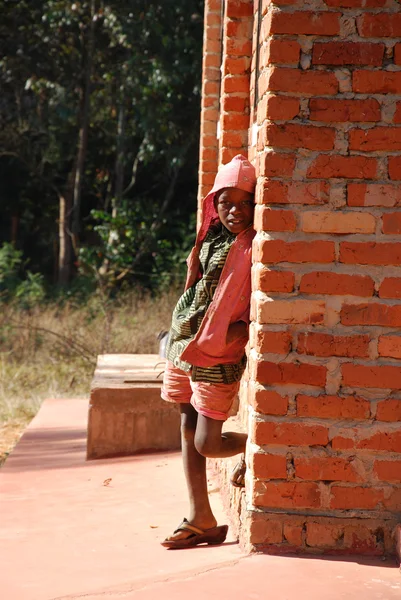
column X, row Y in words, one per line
column 75, row 529
column 126, row 412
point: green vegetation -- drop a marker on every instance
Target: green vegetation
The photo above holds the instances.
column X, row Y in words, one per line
column 99, row 132
column 99, row 135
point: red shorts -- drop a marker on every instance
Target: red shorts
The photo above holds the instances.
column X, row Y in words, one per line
column 212, row 400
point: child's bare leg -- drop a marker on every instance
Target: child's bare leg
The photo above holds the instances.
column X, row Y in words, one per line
column 200, row 512
column 211, row 443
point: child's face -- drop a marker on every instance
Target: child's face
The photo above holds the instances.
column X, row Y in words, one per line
column 235, row 209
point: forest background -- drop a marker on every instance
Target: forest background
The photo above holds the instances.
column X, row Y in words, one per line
column 99, row 136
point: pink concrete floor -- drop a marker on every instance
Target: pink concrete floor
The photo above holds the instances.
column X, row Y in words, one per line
column 76, row 529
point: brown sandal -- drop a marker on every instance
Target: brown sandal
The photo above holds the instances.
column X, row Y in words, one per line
column 212, row 536
column 238, row 474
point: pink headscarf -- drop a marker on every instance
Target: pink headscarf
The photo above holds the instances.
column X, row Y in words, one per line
column 238, row 173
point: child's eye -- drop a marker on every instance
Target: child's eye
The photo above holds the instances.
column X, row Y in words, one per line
column 247, row 203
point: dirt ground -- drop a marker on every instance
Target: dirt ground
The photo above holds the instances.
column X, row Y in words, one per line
column 10, row 433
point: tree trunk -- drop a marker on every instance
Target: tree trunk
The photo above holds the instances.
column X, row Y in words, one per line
column 14, row 227
column 64, row 234
column 119, row 171
column 83, row 131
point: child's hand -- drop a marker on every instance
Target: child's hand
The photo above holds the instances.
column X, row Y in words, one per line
column 236, row 330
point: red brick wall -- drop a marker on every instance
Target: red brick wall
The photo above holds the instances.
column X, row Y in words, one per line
column 227, row 50
column 325, row 380
column 325, row 424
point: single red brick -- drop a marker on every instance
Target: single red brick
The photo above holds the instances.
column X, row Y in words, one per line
column 235, row 104
column 289, row 434
column 322, row 535
column 390, row 441
column 326, row 166
column 239, row 29
column 290, row 135
column 327, row 468
column 277, row 251
column 267, row 219
column 326, row 221
column 208, row 179
column 326, row 282
column 296, row 192
column 211, row 60
column 342, row 111
column 373, row 194
column 211, row 74
column 263, row 530
column 371, row 376
column 210, row 101
column 207, row 166
column 388, row 470
column 376, row 139
column 212, row 32
column 333, row 407
column 210, row 87
column 391, row 223
column 355, row 497
column 278, row 342
column 370, row 253
column 342, row 443
column 213, row 5
column 209, row 154
column 280, row 52
column 234, row 122
column 307, row 83
column 269, row 466
column 303, row 23
column 394, row 168
column 348, row 53
column 232, row 139
column 239, row 9
column 389, row 345
column 235, row 83
column 325, row 344
column 390, row 287
column 371, row 314
column 286, row 495
column 238, row 65
column 376, row 82
column 281, row 108
column 276, row 164
column 269, row 373
column 379, row 25
column 269, row 402
column 293, row 534
column 289, row 311
column 267, row 280
column 389, row 410
column 362, row 540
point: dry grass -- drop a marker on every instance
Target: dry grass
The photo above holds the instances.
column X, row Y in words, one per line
column 51, row 351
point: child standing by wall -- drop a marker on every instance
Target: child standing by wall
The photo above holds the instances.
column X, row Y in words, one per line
column 206, row 348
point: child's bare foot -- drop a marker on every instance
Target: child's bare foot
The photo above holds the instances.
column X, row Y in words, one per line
column 238, row 474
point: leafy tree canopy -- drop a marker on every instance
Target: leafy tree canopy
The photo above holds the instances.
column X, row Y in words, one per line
column 99, row 121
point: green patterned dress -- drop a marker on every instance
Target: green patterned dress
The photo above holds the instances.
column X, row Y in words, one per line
column 192, row 307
